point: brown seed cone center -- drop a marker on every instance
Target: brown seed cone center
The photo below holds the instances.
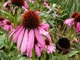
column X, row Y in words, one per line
column 30, row 19
column 18, row 2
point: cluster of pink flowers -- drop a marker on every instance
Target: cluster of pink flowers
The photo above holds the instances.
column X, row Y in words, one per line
column 7, row 25
column 74, row 20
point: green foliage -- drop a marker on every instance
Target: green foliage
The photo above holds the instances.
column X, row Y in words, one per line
column 8, row 50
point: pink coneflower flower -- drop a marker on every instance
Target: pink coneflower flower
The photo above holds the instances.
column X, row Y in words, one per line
column 7, row 25
column 29, row 29
column 47, row 5
column 20, row 3
column 32, row 1
column 75, row 19
column 50, row 48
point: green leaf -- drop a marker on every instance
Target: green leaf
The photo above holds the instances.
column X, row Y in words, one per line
column 8, row 14
column 2, row 40
column 51, row 23
column 3, row 55
column 72, row 53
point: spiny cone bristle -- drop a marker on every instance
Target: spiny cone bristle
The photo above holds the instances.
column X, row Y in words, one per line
column 47, row 42
column 77, row 18
column 30, row 19
column 74, row 14
column 18, row 2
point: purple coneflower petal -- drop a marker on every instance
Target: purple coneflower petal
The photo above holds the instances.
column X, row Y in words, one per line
column 16, row 35
column 78, row 27
column 30, row 54
column 25, row 4
column 42, row 31
column 6, row 27
column 13, row 31
column 39, row 38
column 6, row 3
column 30, row 41
column 20, row 39
column 5, row 20
column 69, row 22
column 10, row 27
column 38, row 50
column 24, row 42
column 45, row 26
column 50, row 48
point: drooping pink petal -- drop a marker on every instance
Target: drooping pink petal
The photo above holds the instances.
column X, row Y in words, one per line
column 45, row 26
column 30, row 54
column 5, row 21
column 78, row 27
column 6, row 3
column 6, row 27
column 69, row 22
column 39, row 38
column 24, row 42
column 16, row 35
column 50, row 48
column 42, row 31
column 25, row 4
column 38, row 50
column 30, row 42
column 10, row 27
column 20, row 38
column 13, row 31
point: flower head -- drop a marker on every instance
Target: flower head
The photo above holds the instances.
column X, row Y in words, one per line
column 74, row 14
column 63, row 45
column 29, row 34
column 75, row 19
column 50, row 48
column 7, row 25
column 30, row 19
column 20, row 3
